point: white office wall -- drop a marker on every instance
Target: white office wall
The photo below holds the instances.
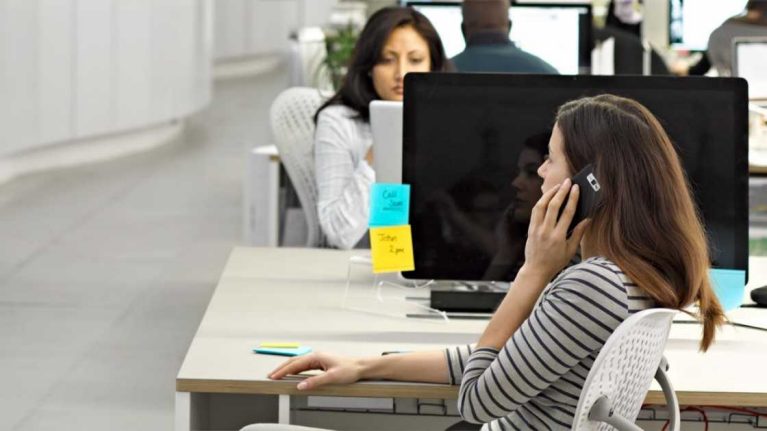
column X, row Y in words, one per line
column 75, row 69
column 245, row 28
column 55, row 72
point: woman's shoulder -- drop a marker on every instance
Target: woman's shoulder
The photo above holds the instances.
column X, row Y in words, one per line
column 337, row 112
column 599, row 273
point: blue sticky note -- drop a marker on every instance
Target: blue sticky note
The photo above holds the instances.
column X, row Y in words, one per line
column 389, row 204
column 298, row 351
column 729, row 286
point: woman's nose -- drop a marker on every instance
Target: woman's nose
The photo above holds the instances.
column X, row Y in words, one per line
column 401, row 70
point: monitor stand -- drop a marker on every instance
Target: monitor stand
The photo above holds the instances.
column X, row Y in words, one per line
column 467, row 297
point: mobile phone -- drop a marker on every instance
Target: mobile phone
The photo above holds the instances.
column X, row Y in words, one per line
column 589, row 197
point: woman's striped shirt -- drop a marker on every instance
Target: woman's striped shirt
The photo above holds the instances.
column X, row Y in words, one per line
column 535, row 381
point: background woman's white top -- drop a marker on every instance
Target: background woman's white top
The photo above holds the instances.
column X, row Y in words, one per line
column 341, row 142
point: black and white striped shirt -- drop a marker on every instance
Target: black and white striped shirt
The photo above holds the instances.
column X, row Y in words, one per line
column 535, row 381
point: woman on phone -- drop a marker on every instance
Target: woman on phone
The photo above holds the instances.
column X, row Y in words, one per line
column 643, row 247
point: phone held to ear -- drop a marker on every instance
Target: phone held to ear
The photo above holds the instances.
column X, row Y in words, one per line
column 589, row 197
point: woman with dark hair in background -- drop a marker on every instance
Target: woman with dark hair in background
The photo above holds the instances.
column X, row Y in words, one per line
column 644, row 247
column 395, row 41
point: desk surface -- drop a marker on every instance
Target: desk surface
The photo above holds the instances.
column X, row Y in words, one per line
column 279, row 294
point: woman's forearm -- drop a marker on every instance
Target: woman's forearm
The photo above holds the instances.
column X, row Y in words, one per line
column 514, row 309
column 427, row 367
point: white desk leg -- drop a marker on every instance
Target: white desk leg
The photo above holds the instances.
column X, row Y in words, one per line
column 261, row 223
column 183, row 413
column 283, row 415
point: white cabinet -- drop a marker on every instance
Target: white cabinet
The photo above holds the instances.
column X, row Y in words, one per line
column 257, row 27
column 77, row 69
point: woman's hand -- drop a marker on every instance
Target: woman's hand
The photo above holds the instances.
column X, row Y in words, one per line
column 548, row 249
column 339, row 370
column 369, row 156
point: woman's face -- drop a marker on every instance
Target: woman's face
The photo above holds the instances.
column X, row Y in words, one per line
column 555, row 169
column 527, row 184
column 404, row 51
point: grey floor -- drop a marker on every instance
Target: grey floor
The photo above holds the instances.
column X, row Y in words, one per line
column 106, row 270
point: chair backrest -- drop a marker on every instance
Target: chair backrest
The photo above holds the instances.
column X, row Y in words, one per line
column 292, row 123
column 625, row 367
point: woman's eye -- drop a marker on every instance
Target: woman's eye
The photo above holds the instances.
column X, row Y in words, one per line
column 386, row 60
column 416, row 60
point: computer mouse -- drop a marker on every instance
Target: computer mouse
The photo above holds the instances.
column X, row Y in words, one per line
column 759, row 295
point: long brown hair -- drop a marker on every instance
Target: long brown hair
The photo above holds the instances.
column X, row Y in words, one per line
column 647, row 222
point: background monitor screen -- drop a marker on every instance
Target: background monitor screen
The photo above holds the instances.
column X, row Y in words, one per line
column 750, row 63
column 560, row 34
column 472, row 144
column 691, row 22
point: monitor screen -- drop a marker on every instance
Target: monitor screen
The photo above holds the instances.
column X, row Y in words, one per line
column 691, row 22
column 566, row 27
column 472, row 144
column 750, row 62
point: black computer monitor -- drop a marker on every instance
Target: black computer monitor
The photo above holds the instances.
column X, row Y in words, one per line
column 472, row 144
column 691, row 22
column 560, row 34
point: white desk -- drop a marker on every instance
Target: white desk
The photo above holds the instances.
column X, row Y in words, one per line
column 279, row 294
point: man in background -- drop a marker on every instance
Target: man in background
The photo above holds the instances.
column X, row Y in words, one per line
column 751, row 23
column 485, row 28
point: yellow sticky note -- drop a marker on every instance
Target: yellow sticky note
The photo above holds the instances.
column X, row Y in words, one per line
column 281, row 345
column 391, row 248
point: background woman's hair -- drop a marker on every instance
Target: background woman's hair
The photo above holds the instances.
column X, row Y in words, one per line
column 357, row 89
column 647, row 222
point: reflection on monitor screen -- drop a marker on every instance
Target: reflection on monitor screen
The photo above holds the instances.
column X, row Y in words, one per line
column 472, row 144
column 691, row 22
column 558, row 34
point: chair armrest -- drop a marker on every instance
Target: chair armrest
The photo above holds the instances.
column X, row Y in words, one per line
column 672, row 403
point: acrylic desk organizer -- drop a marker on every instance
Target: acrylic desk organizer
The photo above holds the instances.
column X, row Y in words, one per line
column 386, row 294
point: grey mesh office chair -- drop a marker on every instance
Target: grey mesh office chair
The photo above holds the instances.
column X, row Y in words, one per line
column 292, row 123
column 623, row 371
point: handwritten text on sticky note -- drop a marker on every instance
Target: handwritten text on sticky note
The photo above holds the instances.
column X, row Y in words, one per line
column 389, row 204
column 391, row 249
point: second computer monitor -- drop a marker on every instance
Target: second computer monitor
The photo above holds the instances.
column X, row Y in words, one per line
column 749, row 61
column 691, row 22
column 560, row 34
column 386, row 127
